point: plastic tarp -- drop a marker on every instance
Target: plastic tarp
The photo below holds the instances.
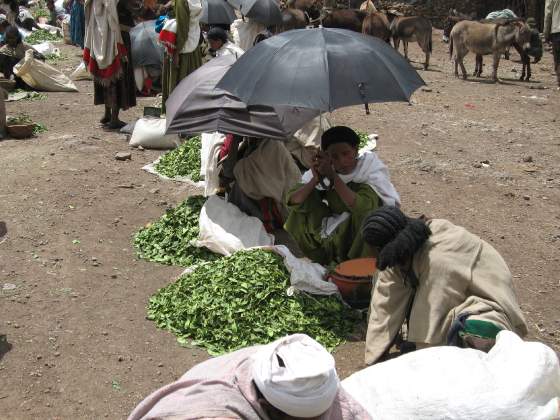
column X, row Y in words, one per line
column 515, row 380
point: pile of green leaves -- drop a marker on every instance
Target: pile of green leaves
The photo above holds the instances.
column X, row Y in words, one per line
column 23, row 119
column 32, row 96
column 42, row 35
column 241, row 300
column 363, row 138
column 41, row 12
column 55, row 58
column 169, row 240
column 183, row 161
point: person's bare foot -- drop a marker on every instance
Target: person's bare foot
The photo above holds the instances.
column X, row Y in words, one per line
column 105, row 120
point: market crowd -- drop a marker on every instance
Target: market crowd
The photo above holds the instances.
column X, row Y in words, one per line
column 447, row 285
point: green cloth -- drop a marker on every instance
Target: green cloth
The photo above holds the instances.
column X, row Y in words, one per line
column 480, row 328
column 173, row 73
column 345, row 243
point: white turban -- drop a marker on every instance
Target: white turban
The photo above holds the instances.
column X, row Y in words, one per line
column 306, row 385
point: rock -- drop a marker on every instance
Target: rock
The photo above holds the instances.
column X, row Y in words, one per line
column 424, row 133
column 141, row 148
column 478, row 165
column 426, row 89
column 154, row 191
column 485, row 162
column 528, row 159
column 514, row 70
column 123, row 156
column 526, row 198
column 120, row 358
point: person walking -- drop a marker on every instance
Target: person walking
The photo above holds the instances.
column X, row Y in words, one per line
column 552, row 32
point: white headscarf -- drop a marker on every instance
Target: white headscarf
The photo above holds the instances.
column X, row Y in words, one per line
column 306, row 385
column 369, row 170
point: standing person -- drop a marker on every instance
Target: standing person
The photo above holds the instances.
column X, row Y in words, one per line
column 107, row 56
column 453, row 287
column 181, row 36
column 552, row 32
column 77, row 23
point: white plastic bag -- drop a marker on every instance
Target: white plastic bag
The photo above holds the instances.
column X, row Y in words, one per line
column 41, row 76
column 46, row 48
column 150, row 134
column 306, row 275
column 515, row 380
column 225, row 229
column 81, row 73
column 209, row 154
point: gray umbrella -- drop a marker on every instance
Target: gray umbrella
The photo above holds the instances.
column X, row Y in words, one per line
column 146, row 50
column 217, row 12
column 266, row 12
column 323, row 69
column 196, row 106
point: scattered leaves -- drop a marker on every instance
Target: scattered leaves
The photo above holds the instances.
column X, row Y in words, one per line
column 169, row 240
column 364, row 139
column 242, row 300
column 183, row 161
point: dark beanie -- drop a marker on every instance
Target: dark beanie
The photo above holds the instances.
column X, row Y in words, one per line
column 339, row 134
column 216, row 33
column 397, row 236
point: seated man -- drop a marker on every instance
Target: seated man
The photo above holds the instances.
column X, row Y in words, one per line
column 220, row 44
column 341, row 188
column 293, row 377
column 12, row 53
column 453, row 287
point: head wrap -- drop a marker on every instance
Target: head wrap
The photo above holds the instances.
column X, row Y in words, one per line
column 531, row 23
column 397, row 236
column 217, row 33
column 296, row 375
column 339, row 134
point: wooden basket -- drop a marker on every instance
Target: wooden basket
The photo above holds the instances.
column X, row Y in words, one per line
column 20, row 131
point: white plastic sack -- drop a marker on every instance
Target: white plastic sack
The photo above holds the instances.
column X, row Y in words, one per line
column 225, row 229
column 306, row 275
column 515, row 380
column 41, row 76
column 46, row 48
column 81, row 73
column 150, row 134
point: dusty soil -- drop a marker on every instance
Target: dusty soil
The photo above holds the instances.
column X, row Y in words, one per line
column 76, row 343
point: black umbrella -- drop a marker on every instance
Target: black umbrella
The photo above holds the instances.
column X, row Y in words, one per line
column 217, row 12
column 323, row 69
column 196, row 106
column 146, row 49
column 266, row 12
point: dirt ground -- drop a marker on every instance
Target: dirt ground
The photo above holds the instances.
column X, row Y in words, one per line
column 74, row 339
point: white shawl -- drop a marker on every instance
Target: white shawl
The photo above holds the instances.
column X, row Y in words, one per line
column 102, row 39
column 369, row 170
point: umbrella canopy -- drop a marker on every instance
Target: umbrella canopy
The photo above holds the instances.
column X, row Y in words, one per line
column 266, row 12
column 146, row 50
column 323, row 69
column 196, row 106
column 217, row 12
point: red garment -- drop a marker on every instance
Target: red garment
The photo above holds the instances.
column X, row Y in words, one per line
column 226, row 147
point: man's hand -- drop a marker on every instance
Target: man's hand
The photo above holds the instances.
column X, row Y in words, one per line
column 324, row 165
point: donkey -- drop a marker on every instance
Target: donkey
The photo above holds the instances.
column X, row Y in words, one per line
column 412, row 28
column 484, row 39
column 377, row 24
